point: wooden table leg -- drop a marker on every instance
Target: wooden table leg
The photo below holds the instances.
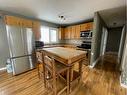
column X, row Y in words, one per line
column 71, row 77
column 80, row 69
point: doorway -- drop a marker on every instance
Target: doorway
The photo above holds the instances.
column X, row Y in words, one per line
column 103, row 41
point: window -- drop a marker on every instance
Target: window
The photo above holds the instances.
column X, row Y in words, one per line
column 53, row 35
column 45, row 34
column 49, row 35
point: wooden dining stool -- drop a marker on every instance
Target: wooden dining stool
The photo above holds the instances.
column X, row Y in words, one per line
column 39, row 61
column 52, row 70
column 75, row 74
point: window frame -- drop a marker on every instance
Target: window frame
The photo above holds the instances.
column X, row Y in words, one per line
column 51, row 28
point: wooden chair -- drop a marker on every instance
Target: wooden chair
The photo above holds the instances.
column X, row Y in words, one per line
column 53, row 69
column 75, row 73
column 39, row 60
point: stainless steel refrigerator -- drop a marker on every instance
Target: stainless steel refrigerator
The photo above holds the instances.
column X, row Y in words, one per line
column 21, row 46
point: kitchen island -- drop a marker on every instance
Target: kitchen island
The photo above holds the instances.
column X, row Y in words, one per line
column 67, row 57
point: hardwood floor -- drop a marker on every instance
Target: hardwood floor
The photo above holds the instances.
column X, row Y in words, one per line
column 101, row 80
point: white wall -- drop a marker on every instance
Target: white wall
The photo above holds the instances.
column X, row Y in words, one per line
column 124, row 58
column 96, row 39
column 4, row 48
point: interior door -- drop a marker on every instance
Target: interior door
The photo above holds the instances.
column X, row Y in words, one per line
column 124, row 56
column 103, row 41
column 121, row 46
column 15, row 41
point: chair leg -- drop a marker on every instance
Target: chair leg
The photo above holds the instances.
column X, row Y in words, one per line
column 39, row 76
column 54, row 86
column 68, row 82
column 44, row 76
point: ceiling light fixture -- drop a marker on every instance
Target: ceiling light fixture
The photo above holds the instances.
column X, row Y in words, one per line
column 62, row 18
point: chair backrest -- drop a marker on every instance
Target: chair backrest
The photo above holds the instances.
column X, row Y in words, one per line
column 49, row 64
column 39, row 57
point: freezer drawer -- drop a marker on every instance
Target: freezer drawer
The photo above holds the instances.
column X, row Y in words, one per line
column 22, row 64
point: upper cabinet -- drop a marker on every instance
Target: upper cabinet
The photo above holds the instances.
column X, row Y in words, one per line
column 27, row 23
column 86, row 26
column 77, row 31
column 17, row 21
column 73, row 32
column 67, row 33
column 61, row 33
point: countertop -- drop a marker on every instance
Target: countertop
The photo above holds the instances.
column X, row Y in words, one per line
column 73, row 46
column 65, row 55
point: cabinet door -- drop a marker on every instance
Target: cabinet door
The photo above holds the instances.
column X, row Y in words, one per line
column 27, row 23
column 83, row 27
column 66, row 33
column 90, row 25
column 73, row 32
column 86, row 26
column 69, row 32
column 61, row 33
column 77, row 31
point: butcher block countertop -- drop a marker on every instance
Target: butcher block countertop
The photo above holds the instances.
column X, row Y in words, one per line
column 65, row 55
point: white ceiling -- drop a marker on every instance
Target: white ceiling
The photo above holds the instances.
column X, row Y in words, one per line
column 48, row 10
column 114, row 17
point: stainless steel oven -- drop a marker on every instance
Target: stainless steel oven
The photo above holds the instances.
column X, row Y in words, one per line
column 86, row 46
column 86, row 34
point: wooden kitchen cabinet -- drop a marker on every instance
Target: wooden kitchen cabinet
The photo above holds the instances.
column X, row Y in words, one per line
column 90, row 25
column 86, row 26
column 73, row 32
column 67, row 32
column 17, row 21
column 77, row 31
column 61, row 33
column 83, row 27
column 27, row 23
column 37, row 29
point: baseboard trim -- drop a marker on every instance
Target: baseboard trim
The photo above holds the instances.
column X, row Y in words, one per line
column 95, row 62
column 4, row 68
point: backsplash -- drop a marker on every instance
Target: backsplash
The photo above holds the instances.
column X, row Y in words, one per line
column 71, row 41
column 76, row 41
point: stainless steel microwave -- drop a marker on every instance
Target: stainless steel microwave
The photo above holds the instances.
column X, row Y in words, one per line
column 84, row 34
